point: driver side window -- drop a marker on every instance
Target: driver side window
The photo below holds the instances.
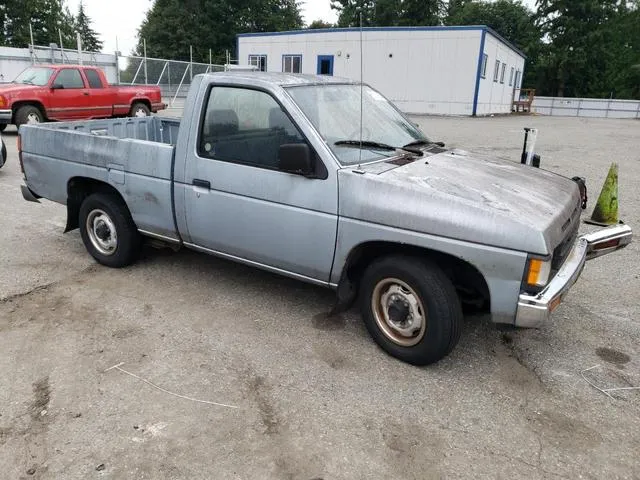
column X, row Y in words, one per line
column 69, row 78
column 245, row 126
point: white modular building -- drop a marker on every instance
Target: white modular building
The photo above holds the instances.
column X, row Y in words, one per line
column 464, row 70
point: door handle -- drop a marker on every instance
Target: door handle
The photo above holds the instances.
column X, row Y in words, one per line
column 86, row 94
column 201, row 183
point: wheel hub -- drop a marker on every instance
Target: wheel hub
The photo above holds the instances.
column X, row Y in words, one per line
column 399, row 312
column 102, row 232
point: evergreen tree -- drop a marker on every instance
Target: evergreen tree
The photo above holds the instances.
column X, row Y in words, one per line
column 172, row 26
column 90, row 40
column 316, row 24
column 46, row 17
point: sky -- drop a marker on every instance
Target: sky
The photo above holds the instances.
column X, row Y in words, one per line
column 120, row 19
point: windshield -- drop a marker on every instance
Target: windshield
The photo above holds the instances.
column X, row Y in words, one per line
column 334, row 110
column 34, row 76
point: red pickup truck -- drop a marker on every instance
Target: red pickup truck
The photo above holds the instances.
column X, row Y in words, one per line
column 71, row 92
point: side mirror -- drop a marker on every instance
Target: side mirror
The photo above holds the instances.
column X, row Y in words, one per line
column 57, row 86
column 295, row 158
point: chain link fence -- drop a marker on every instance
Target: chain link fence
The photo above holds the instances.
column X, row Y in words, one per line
column 172, row 76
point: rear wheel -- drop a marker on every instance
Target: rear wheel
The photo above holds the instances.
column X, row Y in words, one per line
column 3, row 127
column 411, row 309
column 140, row 110
column 108, row 231
column 28, row 114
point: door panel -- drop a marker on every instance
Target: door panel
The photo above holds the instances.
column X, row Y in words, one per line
column 72, row 100
column 252, row 210
column 100, row 99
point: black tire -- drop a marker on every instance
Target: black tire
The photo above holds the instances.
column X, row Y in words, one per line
column 3, row 127
column 23, row 114
column 128, row 240
column 433, row 292
column 3, row 153
column 138, row 107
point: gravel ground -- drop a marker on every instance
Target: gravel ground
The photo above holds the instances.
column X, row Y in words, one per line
column 315, row 397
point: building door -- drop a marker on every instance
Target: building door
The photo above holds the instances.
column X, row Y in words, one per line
column 325, row 64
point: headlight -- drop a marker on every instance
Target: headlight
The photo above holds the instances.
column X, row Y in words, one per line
column 538, row 271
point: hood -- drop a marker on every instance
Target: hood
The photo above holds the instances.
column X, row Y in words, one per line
column 467, row 197
column 15, row 88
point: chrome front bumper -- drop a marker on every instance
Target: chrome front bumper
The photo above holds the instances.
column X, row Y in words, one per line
column 5, row 116
column 535, row 310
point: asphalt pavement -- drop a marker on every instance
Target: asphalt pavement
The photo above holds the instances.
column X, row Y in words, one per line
column 229, row 372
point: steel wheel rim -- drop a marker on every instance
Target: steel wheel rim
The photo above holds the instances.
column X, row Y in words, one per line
column 140, row 112
column 391, row 299
column 102, row 232
column 33, row 118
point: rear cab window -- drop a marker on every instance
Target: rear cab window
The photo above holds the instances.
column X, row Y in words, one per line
column 93, row 78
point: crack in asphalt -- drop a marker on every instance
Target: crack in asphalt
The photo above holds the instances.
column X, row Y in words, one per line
column 46, row 286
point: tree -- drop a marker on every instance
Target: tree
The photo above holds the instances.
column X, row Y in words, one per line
column 384, row 13
column 316, row 24
column 512, row 20
column 90, row 39
column 421, row 12
column 586, row 39
column 47, row 18
column 172, row 26
column 352, row 12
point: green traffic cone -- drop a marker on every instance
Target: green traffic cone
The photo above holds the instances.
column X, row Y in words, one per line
column 606, row 211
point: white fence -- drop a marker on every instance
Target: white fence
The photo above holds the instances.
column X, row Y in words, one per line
column 587, row 107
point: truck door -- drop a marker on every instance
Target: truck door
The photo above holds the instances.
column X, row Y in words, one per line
column 69, row 96
column 100, row 98
column 239, row 204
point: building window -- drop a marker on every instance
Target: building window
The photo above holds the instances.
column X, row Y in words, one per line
column 483, row 70
column 517, row 81
column 496, row 71
column 292, row 63
column 504, row 69
column 513, row 70
column 259, row 61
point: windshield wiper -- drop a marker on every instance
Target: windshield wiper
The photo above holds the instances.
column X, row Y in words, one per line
column 424, row 142
column 377, row 146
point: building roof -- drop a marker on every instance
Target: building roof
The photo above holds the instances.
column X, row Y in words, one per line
column 387, row 29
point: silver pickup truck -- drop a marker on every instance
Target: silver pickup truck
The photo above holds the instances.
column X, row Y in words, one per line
column 277, row 171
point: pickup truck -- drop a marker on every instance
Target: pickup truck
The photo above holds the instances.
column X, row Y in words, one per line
column 276, row 171
column 71, row 92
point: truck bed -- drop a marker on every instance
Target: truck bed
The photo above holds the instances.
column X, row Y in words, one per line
column 133, row 155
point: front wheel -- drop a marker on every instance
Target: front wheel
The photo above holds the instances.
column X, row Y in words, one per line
column 3, row 127
column 108, row 231
column 411, row 309
column 140, row 110
column 28, row 114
